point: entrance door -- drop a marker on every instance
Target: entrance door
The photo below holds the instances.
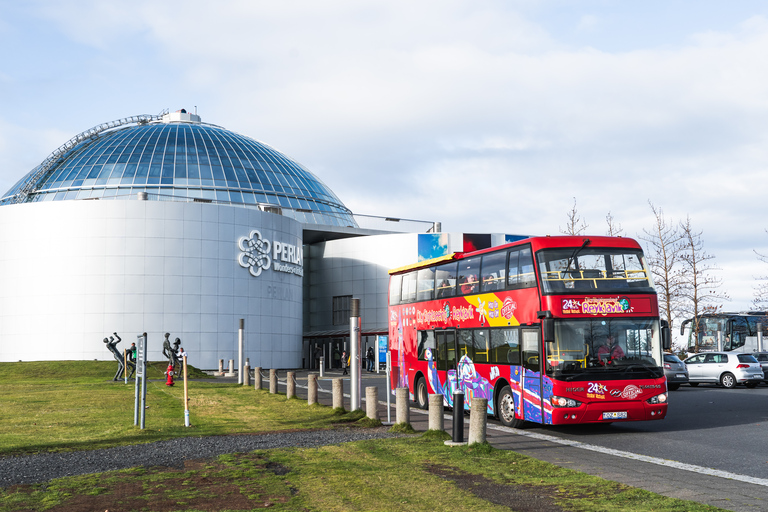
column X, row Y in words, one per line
column 532, row 384
column 447, row 360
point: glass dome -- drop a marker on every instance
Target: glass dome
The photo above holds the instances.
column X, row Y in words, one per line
column 176, row 157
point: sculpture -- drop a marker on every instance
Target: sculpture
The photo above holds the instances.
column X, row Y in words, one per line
column 111, row 345
column 171, row 352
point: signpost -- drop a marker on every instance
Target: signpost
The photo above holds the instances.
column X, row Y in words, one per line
column 140, row 395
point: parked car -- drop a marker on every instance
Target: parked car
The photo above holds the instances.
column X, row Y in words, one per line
column 726, row 368
column 762, row 358
column 675, row 371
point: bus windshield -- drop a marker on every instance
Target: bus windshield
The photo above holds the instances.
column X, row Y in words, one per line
column 613, row 348
column 593, row 269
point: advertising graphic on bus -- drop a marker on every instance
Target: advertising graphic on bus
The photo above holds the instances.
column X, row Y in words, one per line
column 551, row 330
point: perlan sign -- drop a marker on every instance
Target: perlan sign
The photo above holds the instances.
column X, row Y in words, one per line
column 258, row 254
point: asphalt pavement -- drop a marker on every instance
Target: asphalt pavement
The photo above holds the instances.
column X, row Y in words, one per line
column 739, row 493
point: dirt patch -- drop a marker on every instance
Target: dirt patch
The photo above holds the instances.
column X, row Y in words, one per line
column 195, row 487
column 520, row 498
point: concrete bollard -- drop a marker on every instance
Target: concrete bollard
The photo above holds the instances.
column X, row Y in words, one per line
column 246, row 374
column 257, row 377
column 338, row 393
column 402, row 406
column 311, row 389
column 272, row 381
column 478, row 419
column 372, row 402
column 290, row 391
column 231, row 372
column 221, row 367
column 436, row 416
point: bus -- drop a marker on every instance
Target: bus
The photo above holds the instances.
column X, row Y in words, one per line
column 738, row 331
column 553, row 330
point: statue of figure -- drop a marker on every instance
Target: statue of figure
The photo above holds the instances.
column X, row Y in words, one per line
column 175, row 356
column 111, row 345
column 167, row 350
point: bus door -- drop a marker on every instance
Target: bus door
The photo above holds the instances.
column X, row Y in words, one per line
column 532, row 375
column 446, row 363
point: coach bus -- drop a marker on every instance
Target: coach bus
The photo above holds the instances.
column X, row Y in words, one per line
column 738, row 331
column 553, row 330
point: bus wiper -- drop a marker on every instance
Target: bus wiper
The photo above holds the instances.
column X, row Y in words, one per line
column 576, row 253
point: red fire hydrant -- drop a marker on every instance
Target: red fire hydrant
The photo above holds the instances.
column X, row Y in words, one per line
column 169, row 373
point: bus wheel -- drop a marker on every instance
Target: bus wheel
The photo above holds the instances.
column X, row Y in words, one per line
column 506, row 408
column 421, row 396
column 727, row 380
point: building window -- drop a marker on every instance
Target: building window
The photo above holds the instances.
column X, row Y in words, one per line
column 342, row 309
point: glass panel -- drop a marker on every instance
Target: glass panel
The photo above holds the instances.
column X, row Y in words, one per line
column 446, row 350
column 409, row 287
column 427, row 342
column 482, row 345
column 426, row 284
column 505, row 346
column 492, row 270
column 531, row 349
column 592, row 269
column 395, row 284
column 468, row 272
column 445, row 276
column 466, row 347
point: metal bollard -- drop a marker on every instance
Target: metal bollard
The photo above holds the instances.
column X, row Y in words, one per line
column 402, row 406
column 311, row 389
column 458, row 417
column 338, row 393
column 372, row 402
column 436, row 417
column 272, row 381
column 478, row 419
column 246, row 374
column 257, row 377
column 322, row 366
column 290, row 392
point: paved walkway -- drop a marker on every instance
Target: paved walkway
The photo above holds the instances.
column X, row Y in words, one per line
column 671, row 480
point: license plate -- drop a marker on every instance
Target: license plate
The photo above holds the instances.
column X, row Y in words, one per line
column 680, row 375
column 757, row 377
column 619, row 415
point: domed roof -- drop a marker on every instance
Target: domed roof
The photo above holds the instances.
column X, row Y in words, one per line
column 175, row 156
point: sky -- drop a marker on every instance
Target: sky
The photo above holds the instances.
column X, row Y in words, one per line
column 487, row 116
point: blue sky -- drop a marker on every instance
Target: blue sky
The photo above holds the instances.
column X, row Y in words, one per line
column 485, row 115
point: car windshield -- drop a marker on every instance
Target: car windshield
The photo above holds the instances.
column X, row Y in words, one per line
column 605, row 348
column 747, row 358
column 611, row 270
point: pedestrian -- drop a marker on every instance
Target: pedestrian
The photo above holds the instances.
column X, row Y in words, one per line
column 344, row 362
column 369, row 357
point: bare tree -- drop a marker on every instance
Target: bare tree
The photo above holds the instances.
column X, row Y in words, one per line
column 702, row 290
column 664, row 245
column 614, row 229
column 576, row 225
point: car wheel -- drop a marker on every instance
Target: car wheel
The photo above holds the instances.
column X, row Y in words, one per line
column 672, row 387
column 693, row 384
column 421, row 397
column 506, row 408
column 727, row 380
column 751, row 384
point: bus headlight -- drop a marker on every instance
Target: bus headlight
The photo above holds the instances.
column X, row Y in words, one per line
column 658, row 399
column 559, row 401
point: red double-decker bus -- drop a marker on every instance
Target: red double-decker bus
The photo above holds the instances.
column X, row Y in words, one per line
column 552, row 330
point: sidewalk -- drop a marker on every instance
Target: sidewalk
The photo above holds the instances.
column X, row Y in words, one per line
column 668, row 481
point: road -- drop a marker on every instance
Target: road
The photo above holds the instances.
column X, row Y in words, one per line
column 707, row 426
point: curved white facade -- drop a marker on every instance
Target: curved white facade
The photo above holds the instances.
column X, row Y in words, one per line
column 74, row 272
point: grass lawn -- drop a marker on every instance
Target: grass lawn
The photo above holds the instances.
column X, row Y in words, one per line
column 75, row 405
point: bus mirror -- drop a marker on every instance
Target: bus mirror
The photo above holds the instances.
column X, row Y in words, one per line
column 548, row 329
column 666, row 338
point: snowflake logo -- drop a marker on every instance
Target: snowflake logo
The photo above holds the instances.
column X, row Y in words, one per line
column 255, row 253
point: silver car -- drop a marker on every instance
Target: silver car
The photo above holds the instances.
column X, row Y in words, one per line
column 726, row 368
column 762, row 358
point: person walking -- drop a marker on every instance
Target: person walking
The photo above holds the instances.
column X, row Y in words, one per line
column 344, row 362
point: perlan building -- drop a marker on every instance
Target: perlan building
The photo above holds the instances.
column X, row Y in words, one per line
column 165, row 224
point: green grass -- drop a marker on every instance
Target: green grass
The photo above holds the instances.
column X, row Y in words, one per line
column 75, row 405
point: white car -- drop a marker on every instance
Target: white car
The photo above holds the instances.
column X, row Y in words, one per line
column 726, row 368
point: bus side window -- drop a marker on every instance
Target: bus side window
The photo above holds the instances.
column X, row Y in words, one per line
column 446, row 350
column 521, row 268
column 531, row 350
column 492, row 270
column 427, row 341
column 395, row 286
column 409, row 287
column 468, row 270
column 465, row 344
column 425, row 284
column 505, row 346
column 482, row 345
column 445, row 277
